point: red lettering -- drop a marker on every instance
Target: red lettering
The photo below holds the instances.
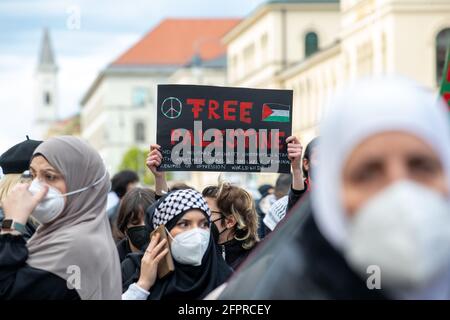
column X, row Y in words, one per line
column 213, row 106
column 197, row 105
column 244, row 112
column 229, row 106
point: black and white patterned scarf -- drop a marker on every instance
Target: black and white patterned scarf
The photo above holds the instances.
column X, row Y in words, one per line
column 176, row 203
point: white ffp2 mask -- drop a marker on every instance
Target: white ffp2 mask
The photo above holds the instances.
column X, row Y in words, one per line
column 190, row 246
column 53, row 203
column 405, row 231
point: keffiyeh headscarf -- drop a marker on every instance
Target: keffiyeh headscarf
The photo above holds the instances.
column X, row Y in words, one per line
column 176, row 203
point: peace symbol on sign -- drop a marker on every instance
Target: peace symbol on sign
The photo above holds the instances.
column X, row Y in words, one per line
column 171, row 107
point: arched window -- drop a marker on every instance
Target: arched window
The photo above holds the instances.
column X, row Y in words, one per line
column 311, row 43
column 442, row 42
column 139, row 132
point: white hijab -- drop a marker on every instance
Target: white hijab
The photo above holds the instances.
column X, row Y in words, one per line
column 367, row 108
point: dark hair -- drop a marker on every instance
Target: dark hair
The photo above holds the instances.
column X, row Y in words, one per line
column 210, row 192
column 264, row 189
column 308, row 153
column 132, row 209
column 237, row 202
column 120, row 181
column 180, row 186
column 282, row 185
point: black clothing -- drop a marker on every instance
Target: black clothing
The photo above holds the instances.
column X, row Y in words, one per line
column 294, row 196
column 297, row 262
column 186, row 282
column 233, row 252
column 20, row 281
column 17, row 158
column 30, row 227
column 123, row 248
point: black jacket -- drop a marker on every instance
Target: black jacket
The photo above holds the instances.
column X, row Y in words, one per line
column 20, row 281
column 233, row 253
column 123, row 248
column 297, row 262
column 294, row 196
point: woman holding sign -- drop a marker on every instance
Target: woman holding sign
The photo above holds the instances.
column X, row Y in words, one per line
column 182, row 218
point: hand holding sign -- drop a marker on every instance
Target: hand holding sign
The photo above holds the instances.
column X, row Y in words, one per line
column 154, row 160
column 294, row 149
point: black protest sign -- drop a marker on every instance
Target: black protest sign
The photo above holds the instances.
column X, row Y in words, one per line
column 208, row 128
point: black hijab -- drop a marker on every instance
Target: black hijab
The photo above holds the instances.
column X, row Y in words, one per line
column 188, row 282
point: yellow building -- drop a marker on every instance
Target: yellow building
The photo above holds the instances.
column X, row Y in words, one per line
column 317, row 46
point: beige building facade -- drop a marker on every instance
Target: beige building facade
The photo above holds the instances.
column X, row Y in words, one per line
column 354, row 38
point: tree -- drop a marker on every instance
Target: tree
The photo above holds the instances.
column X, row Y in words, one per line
column 134, row 159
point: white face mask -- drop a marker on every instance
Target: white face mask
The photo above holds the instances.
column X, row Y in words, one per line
column 190, row 246
column 405, row 231
column 53, row 204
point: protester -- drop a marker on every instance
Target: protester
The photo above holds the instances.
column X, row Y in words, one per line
column 130, row 230
column 301, row 171
column 279, row 209
column 121, row 183
column 379, row 223
column 199, row 268
column 235, row 222
column 72, row 254
column 15, row 162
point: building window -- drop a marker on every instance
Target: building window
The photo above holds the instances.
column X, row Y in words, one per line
column 140, row 97
column 47, row 98
column 442, row 42
column 311, row 43
column 139, row 132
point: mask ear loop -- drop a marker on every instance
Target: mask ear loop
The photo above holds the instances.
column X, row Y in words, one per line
column 82, row 189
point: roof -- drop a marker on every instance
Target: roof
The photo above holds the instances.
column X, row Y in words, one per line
column 176, row 41
column 219, row 62
column 46, row 57
column 275, row 5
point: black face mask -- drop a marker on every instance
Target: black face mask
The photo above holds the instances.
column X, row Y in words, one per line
column 215, row 231
column 139, row 236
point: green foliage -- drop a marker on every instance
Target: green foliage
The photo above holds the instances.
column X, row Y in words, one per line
column 134, row 159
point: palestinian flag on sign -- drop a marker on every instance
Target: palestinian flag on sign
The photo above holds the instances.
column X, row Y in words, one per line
column 445, row 83
column 275, row 112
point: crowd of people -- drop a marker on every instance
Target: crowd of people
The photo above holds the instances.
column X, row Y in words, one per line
column 373, row 191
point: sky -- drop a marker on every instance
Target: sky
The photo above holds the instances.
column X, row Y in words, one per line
column 82, row 47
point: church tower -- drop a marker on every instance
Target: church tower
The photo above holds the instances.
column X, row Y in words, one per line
column 46, row 88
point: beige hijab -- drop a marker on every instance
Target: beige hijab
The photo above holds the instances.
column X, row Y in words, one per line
column 79, row 241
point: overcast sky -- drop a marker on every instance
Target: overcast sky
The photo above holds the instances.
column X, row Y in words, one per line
column 106, row 28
